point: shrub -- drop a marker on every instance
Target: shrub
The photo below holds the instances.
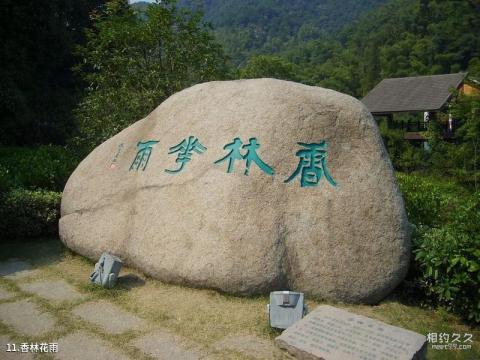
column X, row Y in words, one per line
column 5, row 180
column 430, row 202
column 46, row 167
column 404, row 156
column 446, row 243
column 449, row 264
column 26, row 213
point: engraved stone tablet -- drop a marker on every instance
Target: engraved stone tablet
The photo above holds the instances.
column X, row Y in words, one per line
column 330, row 333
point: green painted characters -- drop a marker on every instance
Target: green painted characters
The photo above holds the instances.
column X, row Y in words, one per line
column 185, row 150
column 250, row 156
column 312, row 165
column 144, row 150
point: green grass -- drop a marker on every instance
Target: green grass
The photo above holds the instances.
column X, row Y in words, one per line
column 202, row 317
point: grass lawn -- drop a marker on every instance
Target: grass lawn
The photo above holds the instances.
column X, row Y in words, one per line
column 201, row 316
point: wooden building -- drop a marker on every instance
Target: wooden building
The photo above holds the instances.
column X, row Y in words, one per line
column 429, row 95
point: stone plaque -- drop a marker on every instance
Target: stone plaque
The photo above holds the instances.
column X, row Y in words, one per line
column 330, row 333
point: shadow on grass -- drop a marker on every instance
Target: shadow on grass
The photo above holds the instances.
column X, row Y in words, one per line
column 37, row 253
column 129, row 281
column 102, row 292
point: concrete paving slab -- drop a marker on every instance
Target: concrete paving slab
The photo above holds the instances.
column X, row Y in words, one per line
column 56, row 290
column 16, row 269
column 6, row 352
column 5, row 294
column 109, row 317
column 25, row 317
column 81, row 346
column 165, row 346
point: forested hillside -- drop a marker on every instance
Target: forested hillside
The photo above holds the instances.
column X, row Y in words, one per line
column 401, row 38
column 348, row 46
column 248, row 27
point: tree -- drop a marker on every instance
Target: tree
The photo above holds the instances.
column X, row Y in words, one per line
column 132, row 65
column 269, row 66
column 457, row 157
column 37, row 88
column 252, row 27
column 474, row 69
column 467, row 109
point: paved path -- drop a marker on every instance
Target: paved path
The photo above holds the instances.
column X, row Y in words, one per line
column 55, row 291
column 163, row 345
column 5, row 294
column 81, row 346
column 41, row 315
column 26, row 318
column 109, row 317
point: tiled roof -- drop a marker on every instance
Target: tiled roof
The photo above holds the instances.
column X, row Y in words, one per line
column 419, row 93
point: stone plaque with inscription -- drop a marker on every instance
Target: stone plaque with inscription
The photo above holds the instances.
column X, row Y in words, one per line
column 330, row 333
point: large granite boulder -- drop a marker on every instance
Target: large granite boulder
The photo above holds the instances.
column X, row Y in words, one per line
column 247, row 186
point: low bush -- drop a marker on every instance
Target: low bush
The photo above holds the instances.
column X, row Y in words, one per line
column 429, row 201
column 43, row 167
column 449, row 264
column 446, row 243
column 27, row 213
column 6, row 182
column 404, row 156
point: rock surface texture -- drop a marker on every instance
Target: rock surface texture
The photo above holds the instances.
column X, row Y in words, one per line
column 337, row 229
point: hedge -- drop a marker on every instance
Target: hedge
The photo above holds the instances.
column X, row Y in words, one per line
column 42, row 167
column 29, row 213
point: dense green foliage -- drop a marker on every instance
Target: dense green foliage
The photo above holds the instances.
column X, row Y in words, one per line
column 132, row 65
column 430, row 37
column 430, row 202
column 401, row 38
column 27, row 214
column 37, row 88
column 267, row 66
column 404, row 156
column 460, row 156
column 45, row 166
column 446, row 246
column 254, row 27
column 30, row 183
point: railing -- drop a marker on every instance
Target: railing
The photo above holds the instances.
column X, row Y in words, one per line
column 409, row 126
column 447, row 128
